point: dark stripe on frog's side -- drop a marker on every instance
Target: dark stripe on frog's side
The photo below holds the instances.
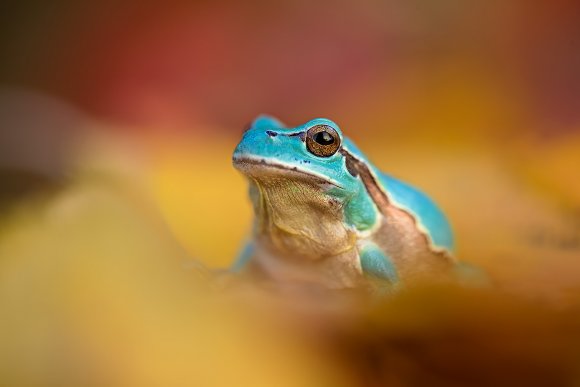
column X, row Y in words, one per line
column 360, row 169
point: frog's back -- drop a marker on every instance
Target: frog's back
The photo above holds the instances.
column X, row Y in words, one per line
column 427, row 215
column 413, row 232
column 411, row 202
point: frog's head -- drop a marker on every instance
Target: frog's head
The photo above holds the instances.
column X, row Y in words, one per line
column 311, row 153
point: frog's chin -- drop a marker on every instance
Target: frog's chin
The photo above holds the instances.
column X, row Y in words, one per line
column 260, row 168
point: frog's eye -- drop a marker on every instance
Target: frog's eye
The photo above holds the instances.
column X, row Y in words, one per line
column 322, row 140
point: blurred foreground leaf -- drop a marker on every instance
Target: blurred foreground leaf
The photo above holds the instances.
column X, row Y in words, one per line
column 95, row 291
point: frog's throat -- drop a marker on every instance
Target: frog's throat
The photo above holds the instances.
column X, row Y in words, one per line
column 257, row 167
column 299, row 220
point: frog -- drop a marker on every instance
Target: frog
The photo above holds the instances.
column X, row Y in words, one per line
column 325, row 214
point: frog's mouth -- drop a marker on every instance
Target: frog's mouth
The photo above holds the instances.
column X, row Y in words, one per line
column 260, row 168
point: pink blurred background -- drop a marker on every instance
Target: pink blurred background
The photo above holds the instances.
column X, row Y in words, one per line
column 395, row 65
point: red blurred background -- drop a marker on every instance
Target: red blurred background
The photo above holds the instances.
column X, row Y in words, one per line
column 182, row 64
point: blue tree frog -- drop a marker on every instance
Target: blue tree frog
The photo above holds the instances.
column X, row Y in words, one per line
column 325, row 214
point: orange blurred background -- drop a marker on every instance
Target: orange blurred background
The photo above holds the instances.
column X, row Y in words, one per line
column 117, row 123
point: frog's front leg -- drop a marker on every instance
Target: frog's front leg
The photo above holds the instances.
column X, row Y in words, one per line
column 376, row 264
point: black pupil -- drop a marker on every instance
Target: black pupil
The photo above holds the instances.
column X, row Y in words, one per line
column 323, row 138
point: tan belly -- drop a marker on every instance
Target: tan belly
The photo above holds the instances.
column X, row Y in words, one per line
column 335, row 272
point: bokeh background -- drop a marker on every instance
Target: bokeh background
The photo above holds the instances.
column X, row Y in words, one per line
column 117, row 123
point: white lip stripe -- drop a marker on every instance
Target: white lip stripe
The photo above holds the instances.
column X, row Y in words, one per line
column 279, row 163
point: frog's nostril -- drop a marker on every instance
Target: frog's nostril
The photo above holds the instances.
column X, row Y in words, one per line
column 271, row 133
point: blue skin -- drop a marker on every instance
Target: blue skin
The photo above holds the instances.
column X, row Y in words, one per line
column 360, row 212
